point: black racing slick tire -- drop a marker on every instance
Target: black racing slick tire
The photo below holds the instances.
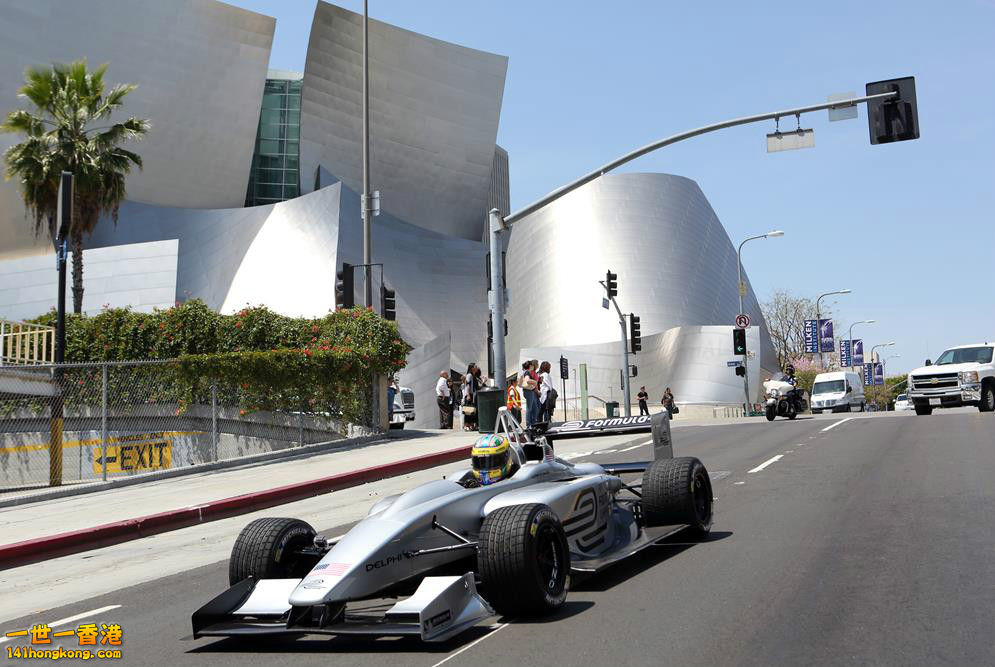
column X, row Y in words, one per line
column 266, row 549
column 923, row 410
column 987, row 402
column 678, row 491
column 523, row 560
column 771, row 413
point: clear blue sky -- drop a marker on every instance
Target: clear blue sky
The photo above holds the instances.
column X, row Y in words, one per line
column 909, row 227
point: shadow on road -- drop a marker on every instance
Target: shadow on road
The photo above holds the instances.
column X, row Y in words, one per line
column 642, row 561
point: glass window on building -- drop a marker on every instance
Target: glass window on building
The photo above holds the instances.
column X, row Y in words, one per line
column 275, row 174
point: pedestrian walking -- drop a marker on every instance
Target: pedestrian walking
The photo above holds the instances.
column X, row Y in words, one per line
column 547, row 393
column 643, row 397
column 443, row 398
column 470, row 386
column 668, row 403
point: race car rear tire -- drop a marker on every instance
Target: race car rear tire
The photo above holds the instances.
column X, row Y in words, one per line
column 265, row 549
column 523, row 560
column 678, row 491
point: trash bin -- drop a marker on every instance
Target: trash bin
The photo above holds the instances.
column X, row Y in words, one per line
column 488, row 402
column 611, row 409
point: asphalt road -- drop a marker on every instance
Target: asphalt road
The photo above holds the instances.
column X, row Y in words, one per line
column 836, row 541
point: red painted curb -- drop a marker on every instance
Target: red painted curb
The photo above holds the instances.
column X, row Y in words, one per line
column 43, row 548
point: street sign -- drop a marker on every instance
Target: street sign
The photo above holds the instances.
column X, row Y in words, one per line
column 844, row 353
column 743, row 321
column 842, row 113
column 811, row 337
column 789, row 141
column 858, row 352
column 742, row 288
column 564, row 369
column 731, row 364
column 826, row 335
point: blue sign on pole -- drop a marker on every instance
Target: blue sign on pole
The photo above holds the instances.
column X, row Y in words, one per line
column 858, row 352
column 826, row 335
column 879, row 373
column 868, row 374
column 811, row 337
column 844, row 353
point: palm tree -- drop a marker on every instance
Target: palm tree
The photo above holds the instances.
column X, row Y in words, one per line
column 61, row 135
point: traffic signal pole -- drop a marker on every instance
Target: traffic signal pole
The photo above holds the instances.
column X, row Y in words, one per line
column 625, row 349
column 498, row 223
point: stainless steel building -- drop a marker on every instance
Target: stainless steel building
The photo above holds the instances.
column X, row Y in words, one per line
column 225, row 133
column 199, row 66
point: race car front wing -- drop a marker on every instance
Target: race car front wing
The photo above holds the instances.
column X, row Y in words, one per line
column 440, row 608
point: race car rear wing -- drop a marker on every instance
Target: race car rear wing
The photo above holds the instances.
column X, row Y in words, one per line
column 658, row 425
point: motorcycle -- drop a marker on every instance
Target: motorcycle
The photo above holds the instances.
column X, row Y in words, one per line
column 783, row 398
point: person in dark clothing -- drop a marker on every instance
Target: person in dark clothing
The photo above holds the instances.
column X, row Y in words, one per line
column 470, row 386
column 643, row 397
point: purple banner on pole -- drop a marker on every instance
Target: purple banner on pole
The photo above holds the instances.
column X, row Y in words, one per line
column 826, row 336
column 879, row 373
column 858, row 352
column 811, row 337
column 868, row 374
column 844, row 353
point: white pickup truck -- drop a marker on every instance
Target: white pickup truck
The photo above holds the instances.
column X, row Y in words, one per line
column 962, row 375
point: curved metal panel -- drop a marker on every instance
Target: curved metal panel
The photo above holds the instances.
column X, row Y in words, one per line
column 434, row 118
column 676, row 266
column 200, row 67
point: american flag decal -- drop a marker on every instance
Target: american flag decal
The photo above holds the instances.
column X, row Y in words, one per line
column 334, row 569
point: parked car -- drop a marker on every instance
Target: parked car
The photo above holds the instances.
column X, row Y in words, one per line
column 902, row 402
column 839, row 391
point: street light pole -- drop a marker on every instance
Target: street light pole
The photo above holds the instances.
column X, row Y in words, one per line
column 877, row 346
column 367, row 224
column 850, row 338
column 499, row 223
column 818, row 323
column 742, row 292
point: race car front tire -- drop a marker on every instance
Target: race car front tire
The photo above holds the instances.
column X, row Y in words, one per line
column 266, row 549
column 678, row 491
column 523, row 560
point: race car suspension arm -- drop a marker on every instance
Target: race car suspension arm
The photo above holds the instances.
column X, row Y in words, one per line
column 463, row 542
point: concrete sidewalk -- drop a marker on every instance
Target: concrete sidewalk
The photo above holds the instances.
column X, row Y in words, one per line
column 129, row 512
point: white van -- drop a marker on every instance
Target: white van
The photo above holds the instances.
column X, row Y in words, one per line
column 841, row 391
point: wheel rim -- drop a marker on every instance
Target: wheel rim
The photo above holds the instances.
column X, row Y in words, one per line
column 700, row 496
column 549, row 556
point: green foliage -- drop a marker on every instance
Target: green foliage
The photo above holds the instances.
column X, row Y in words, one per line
column 886, row 394
column 805, row 379
column 258, row 359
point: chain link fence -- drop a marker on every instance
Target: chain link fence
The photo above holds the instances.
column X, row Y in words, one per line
column 84, row 423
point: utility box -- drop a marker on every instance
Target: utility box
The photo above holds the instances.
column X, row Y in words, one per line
column 488, row 402
column 611, row 409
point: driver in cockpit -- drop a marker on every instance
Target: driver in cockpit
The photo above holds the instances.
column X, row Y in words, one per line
column 494, row 458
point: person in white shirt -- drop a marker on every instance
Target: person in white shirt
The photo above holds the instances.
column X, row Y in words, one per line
column 442, row 396
column 547, row 393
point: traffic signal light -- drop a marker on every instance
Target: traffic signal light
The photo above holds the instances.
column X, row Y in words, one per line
column 739, row 341
column 388, row 303
column 634, row 371
column 635, row 335
column 611, row 284
column 345, row 296
column 893, row 118
column 740, row 371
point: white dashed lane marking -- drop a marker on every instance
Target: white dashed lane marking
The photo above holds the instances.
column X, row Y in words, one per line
column 627, row 449
column 834, row 424
column 766, row 463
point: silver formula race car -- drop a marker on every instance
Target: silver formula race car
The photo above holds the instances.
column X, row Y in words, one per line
column 451, row 553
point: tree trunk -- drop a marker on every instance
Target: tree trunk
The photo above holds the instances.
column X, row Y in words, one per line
column 77, row 243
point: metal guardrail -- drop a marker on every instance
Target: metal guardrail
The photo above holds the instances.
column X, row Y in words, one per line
column 22, row 343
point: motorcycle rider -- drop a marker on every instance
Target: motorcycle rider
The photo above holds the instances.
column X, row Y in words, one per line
column 789, row 375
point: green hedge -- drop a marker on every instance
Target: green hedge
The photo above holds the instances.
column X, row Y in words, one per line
column 258, row 359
